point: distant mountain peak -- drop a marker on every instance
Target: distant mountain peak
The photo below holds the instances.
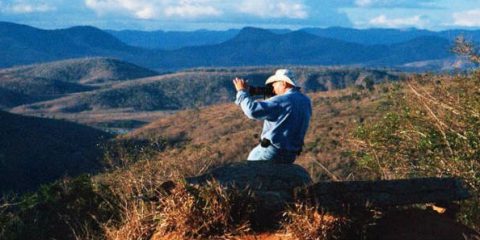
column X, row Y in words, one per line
column 253, row 34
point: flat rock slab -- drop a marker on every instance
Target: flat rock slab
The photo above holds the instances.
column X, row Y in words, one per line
column 272, row 186
column 257, row 176
column 384, row 193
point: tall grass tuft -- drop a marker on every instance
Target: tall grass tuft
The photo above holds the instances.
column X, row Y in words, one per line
column 305, row 222
column 194, row 212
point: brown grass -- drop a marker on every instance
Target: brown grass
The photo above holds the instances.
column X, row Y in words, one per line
column 138, row 222
column 204, row 212
column 222, row 134
column 309, row 223
column 208, row 137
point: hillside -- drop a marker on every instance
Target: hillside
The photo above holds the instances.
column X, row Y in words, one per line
column 183, row 144
column 56, row 79
column 224, row 134
column 36, row 151
column 194, row 88
column 383, row 133
column 251, row 46
column 10, row 98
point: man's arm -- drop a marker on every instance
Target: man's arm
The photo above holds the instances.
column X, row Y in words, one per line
column 264, row 110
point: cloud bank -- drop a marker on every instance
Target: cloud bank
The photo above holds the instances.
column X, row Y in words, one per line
column 222, row 14
column 161, row 9
column 24, row 7
column 469, row 18
column 274, row 9
column 384, row 21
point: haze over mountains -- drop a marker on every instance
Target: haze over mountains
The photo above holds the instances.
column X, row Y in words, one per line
column 411, row 49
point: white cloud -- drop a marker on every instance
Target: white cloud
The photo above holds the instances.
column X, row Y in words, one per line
column 384, row 21
column 191, row 11
column 23, row 7
column 274, row 9
column 395, row 3
column 155, row 9
column 469, row 18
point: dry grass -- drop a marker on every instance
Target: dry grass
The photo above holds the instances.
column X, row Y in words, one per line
column 204, row 212
column 138, row 222
column 188, row 213
column 221, row 134
column 308, row 223
column 208, row 137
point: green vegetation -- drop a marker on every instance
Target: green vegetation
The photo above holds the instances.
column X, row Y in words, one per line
column 67, row 209
column 431, row 129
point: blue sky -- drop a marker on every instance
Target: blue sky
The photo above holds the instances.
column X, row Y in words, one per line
column 224, row 14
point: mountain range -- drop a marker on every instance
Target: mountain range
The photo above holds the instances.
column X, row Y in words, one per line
column 248, row 47
column 169, row 40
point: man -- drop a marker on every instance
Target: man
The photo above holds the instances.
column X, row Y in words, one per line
column 286, row 117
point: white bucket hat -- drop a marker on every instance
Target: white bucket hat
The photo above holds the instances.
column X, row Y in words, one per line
column 282, row 75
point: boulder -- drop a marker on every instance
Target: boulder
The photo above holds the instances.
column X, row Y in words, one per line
column 257, row 176
column 272, row 185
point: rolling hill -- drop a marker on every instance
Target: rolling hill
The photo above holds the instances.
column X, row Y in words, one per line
column 56, row 79
column 36, row 151
column 196, row 88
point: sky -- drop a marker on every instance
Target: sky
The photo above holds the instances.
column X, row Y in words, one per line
column 186, row 15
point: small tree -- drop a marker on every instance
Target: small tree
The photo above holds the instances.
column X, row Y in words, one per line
column 466, row 48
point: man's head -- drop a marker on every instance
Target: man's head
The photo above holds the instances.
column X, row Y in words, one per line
column 282, row 80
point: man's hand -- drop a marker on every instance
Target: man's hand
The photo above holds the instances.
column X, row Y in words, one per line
column 240, row 84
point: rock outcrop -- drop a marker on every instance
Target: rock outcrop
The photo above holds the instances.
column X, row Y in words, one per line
column 272, row 185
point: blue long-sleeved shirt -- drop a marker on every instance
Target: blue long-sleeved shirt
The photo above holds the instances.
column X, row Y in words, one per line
column 286, row 117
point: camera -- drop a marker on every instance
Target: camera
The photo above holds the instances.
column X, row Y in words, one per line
column 266, row 91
